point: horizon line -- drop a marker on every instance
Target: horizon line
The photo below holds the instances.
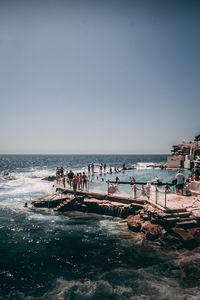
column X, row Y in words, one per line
column 84, row 153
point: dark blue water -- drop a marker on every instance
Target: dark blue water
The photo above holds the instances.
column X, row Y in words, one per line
column 78, row 256
column 13, row 162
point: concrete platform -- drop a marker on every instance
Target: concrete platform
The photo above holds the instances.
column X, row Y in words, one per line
column 174, row 203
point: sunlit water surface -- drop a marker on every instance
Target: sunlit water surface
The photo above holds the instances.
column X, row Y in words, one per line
column 79, row 256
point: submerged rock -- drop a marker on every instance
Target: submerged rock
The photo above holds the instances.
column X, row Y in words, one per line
column 49, row 178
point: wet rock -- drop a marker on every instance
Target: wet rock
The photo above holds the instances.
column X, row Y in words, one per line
column 186, row 237
column 152, row 231
column 146, row 217
column 135, row 223
column 170, row 241
column 49, row 178
column 183, row 234
column 197, row 236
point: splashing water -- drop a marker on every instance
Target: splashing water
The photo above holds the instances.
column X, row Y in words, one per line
column 80, row 256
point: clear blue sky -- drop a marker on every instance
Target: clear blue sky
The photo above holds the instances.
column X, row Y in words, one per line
column 103, row 76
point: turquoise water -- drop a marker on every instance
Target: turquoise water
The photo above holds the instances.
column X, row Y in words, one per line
column 79, row 256
column 140, row 174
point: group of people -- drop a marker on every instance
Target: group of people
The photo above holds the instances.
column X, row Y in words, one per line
column 80, row 180
column 75, row 181
column 182, row 185
column 145, row 190
column 60, row 175
column 103, row 169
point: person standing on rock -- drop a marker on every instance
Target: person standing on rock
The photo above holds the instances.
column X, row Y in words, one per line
column 100, row 169
column 84, row 181
column 57, row 175
column 70, row 176
column 92, row 166
column 75, row 182
column 63, row 179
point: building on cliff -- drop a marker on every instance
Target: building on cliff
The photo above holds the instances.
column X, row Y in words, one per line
column 185, row 155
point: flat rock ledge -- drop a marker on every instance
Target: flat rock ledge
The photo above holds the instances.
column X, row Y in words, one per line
column 174, row 229
column 62, row 203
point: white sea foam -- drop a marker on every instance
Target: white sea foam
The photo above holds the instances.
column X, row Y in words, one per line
column 25, row 187
column 144, row 165
column 138, row 289
column 26, row 183
column 87, row 289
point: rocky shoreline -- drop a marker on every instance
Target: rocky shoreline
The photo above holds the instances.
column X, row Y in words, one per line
column 173, row 229
column 156, row 229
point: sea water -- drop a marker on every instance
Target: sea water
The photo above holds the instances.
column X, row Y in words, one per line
column 44, row 255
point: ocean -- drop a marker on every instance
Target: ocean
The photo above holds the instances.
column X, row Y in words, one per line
column 44, row 255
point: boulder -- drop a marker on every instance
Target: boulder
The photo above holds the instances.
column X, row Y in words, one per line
column 152, row 231
column 184, row 235
column 135, row 223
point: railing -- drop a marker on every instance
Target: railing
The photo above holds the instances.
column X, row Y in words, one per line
column 164, row 199
column 157, row 196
